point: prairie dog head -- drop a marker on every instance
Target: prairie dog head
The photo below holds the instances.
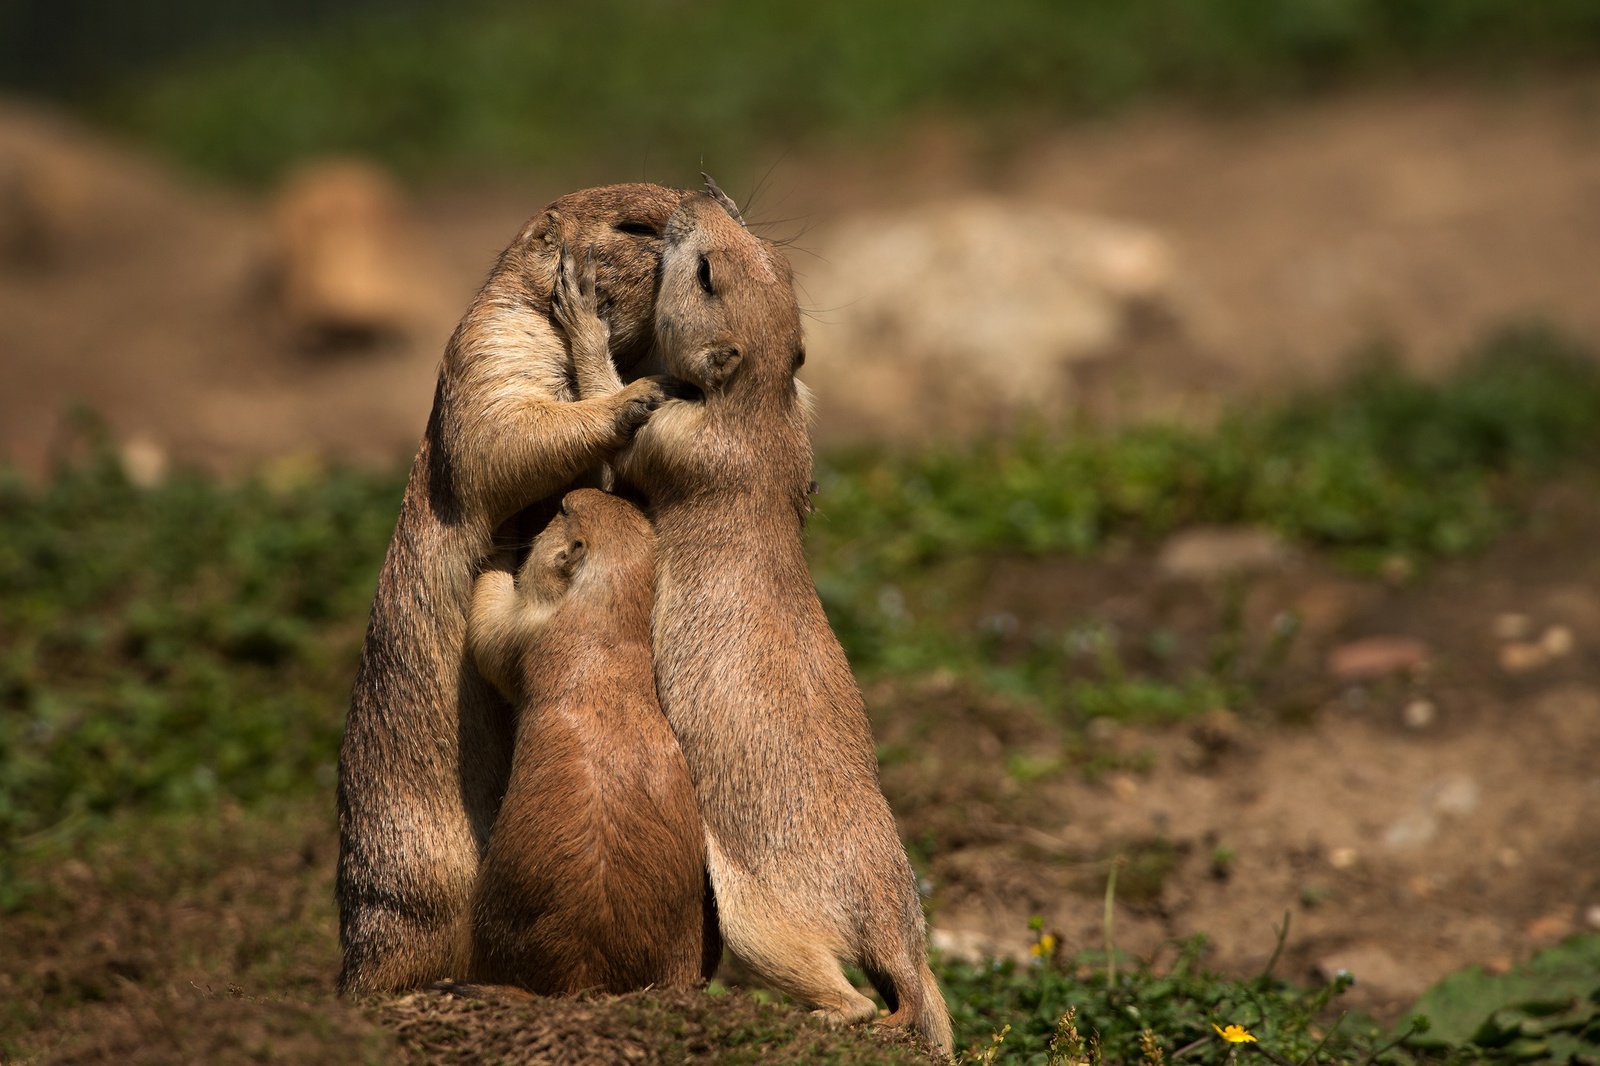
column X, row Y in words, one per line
column 623, row 224
column 726, row 317
column 599, row 545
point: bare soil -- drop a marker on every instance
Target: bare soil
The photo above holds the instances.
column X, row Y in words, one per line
column 1412, row 824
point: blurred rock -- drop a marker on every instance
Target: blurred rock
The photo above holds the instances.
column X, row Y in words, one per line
column 1520, row 656
column 1556, row 641
column 1376, row 657
column 1419, row 714
column 1550, row 927
column 957, row 317
column 1455, row 795
column 349, row 267
column 144, row 460
column 1452, row 797
column 1209, row 552
column 1411, row 830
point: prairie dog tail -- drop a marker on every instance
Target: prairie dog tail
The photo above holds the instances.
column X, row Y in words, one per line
column 917, row 999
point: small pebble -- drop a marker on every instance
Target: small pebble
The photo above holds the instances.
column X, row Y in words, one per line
column 144, row 461
column 1123, row 786
column 1421, row 887
column 1509, row 857
column 1343, row 858
column 1556, row 642
column 1549, row 927
column 1520, row 657
column 1419, row 714
column 1511, row 626
column 1375, row 657
column 1591, row 916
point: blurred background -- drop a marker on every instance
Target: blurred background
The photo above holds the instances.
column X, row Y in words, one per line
column 1209, row 416
column 1101, row 208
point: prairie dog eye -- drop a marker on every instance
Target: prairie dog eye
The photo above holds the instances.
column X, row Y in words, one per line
column 703, row 275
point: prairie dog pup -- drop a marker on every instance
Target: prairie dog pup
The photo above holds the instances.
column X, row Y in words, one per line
column 802, row 849
column 427, row 745
column 595, row 873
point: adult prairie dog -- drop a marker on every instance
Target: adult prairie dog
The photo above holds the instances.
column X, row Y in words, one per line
column 595, row 873
column 807, row 866
column 427, row 744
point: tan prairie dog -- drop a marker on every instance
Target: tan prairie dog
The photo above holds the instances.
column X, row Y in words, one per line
column 427, row 744
column 595, row 873
column 808, row 869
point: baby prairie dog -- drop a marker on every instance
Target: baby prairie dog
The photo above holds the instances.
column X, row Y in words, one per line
column 427, row 744
column 802, row 849
column 595, row 873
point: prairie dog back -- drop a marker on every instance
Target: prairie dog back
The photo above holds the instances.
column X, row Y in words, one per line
column 595, row 873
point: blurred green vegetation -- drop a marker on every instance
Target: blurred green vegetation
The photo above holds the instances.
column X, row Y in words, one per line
column 165, row 647
column 615, row 83
column 1386, row 469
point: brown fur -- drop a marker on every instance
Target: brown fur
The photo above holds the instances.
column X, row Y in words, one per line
column 427, row 745
column 595, row 873
column 804, row 857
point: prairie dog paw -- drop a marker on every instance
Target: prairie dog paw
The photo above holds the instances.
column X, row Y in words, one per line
column 636, row 403
column 574, row 305
column 851, row 1014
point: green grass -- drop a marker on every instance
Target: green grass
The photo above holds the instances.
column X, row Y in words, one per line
column 1058, row 1011
column 1385, row 468
column 620, row 83
column 166, row 648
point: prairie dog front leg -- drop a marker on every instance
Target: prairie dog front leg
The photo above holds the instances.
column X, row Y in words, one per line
column 495, row 624
column 575, row 308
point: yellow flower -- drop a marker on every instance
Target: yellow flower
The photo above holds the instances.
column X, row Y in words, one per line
column 1045, row 947
column 1234, row 1034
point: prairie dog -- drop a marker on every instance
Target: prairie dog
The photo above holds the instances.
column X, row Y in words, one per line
column 595, row 873
column 804, row 858
column 427, row 744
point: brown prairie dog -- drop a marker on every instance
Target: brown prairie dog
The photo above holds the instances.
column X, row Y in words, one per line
column 595, row 873
column 807, row 866
column 427, row 744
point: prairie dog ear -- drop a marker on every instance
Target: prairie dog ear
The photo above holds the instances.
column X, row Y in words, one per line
column 722, row 198
column 570, row 557
column 544, row 228
column 719, row 364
